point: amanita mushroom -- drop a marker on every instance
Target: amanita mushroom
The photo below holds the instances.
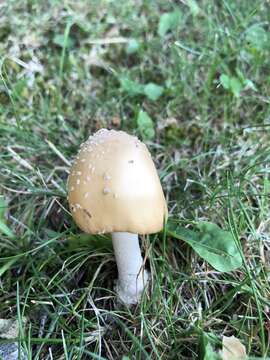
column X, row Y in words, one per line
column 114, row 187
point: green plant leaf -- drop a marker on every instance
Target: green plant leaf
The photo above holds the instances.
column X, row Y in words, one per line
column 231, row 83
column 194, row 8
column 213, row 244
column 132, row 46
column 210, row 354
column 236, row 86
column 145, row 125
column 206, row 350
column 62, row 41
column 250, row 85
column 257, row 37
column 225, row 81
column 153, row 91
column 131, row 87
column 168, row 21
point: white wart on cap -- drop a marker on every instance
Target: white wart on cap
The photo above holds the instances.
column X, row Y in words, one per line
column 113, row 186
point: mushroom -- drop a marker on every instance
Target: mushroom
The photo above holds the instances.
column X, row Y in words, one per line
column 113, row 187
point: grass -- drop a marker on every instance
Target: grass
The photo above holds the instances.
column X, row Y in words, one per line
column 211, row 146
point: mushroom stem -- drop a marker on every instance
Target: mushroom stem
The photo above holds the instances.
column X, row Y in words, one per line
column 132, row 277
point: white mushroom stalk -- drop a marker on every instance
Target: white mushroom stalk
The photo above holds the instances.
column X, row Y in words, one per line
column 132, row 277
column 114, row 188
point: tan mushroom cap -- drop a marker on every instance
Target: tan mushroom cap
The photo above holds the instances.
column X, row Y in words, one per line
column 113, row 186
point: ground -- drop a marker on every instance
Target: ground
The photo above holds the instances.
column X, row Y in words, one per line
column 192, row 80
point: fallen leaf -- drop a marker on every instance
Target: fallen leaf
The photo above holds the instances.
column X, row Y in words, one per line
column 232, row 349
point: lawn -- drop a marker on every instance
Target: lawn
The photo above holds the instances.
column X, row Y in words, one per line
column 189, row 78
